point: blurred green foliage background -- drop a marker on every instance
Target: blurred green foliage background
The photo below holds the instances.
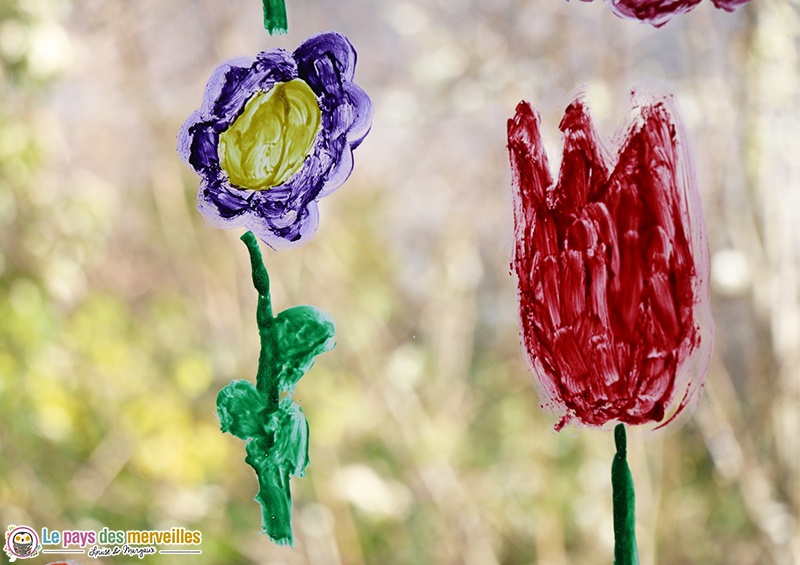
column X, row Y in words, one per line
column 122, row 314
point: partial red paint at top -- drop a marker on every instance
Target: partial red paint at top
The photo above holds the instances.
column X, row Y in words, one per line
column 612, row 266
column 659, row 12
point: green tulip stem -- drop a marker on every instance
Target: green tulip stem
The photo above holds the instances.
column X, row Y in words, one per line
column 275, row 21
column 625, row 552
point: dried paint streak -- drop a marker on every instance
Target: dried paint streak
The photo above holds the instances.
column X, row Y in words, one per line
column 659, row 12
column 275, row 429
column 611, row 263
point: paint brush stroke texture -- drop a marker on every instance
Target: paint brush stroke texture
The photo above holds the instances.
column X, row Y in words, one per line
column 612, row 266
column 659, row 12
column 275, row 429
column 283, row 215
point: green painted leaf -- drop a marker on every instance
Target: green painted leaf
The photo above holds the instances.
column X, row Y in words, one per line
column 241, row 410
column 292, row 440
column 300, row 333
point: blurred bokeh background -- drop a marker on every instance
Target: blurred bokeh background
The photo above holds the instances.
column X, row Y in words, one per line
column 122, row 314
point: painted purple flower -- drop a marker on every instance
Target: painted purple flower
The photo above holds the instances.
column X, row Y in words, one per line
column 274, row 135
column 659, row 12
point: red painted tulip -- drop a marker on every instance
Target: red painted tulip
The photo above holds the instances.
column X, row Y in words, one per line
column 612, row 267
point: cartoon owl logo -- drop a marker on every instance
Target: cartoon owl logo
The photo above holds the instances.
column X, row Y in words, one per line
column 21, row 543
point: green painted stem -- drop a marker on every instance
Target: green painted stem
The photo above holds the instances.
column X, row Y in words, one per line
column 266, row 379
column 260, row 275
column 275, row 21
column 625, row 552
column 275, row 429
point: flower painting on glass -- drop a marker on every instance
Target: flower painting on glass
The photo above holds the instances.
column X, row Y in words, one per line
column 612, row 272
column 274, row 135
column 612, row 266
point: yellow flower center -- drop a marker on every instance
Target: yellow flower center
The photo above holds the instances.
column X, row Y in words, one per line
column 269, row 142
